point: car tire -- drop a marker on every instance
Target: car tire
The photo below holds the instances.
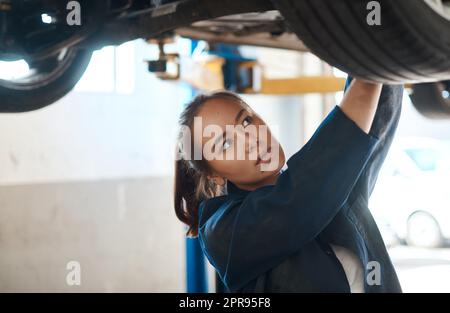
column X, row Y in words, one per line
column 423, row 231
column 411, row 44
column 432, row 99
column 51, row 79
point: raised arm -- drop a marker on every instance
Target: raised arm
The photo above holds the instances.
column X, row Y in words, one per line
column 383, row 127
column 360, row 102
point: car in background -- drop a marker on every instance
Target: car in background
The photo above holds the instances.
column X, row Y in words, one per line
column 401, row 41
column 411, row 199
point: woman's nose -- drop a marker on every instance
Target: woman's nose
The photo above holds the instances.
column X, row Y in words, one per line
column 252, row 142
column 248, row 141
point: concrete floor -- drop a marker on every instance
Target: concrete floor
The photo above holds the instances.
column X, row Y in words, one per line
column 422, row 270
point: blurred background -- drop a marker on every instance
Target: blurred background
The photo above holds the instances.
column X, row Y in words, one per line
column 89, row 178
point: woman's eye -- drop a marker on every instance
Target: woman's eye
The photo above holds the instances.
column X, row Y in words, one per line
column 248, row 120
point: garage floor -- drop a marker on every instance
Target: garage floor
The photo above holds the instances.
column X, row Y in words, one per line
column 422, row 270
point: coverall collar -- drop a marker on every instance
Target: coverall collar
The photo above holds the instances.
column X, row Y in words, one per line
column 232, row 189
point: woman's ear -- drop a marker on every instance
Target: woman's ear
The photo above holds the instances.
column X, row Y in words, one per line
column 218, row 180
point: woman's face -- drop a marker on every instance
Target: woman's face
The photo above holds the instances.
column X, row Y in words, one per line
column 238, row 145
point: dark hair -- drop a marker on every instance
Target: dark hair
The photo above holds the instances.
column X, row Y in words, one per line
column 191, row 184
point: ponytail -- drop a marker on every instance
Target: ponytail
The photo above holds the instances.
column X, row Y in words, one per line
column 186, row 200
column 190, row 188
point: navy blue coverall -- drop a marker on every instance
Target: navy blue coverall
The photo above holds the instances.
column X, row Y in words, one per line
column 277, row 238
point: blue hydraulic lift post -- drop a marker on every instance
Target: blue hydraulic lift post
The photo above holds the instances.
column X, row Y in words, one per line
column 196, row 278
column 195, row 265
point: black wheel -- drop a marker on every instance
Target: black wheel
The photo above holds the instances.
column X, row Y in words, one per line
column 432, row 99
column 411, row 44
column 47, row 81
